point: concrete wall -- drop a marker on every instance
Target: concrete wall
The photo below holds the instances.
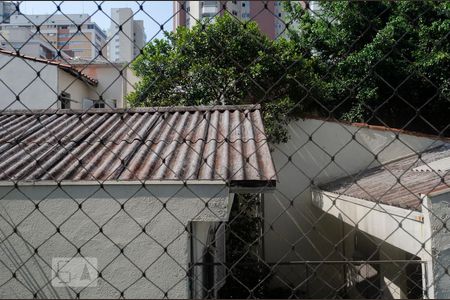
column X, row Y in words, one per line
column 78, row 89
column 295, row 229
column 18, row 77
column 440, row 224
column 162, row 251
column 378, row 220
column 373, row 230
column 111, row 85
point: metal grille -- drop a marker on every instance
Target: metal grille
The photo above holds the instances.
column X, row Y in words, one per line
column 224, row 149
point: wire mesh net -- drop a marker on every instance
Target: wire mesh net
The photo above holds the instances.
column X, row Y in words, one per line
column 224, row 149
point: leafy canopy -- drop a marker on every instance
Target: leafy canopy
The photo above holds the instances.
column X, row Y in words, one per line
column 384, row 62
column 224, row 62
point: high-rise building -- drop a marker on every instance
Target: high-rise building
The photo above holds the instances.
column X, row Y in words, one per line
column 268, row 14
column 126, row 36
column 7, row 9
column 26, row 42
column 74, row 34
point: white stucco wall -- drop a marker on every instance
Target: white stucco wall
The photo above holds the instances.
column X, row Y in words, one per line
column 399, row 227
column 78, row 89
column 18, row 77
column 440, row 224
column 164, row 210
column 296, row 230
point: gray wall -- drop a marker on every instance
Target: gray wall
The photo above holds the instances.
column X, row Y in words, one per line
column 440, row 223
column 34, row 92
column 295, row 229
column 122, row 228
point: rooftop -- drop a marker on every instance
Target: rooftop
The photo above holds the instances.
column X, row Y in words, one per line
column 398, row 183
column 222, row 143
column 63, row 66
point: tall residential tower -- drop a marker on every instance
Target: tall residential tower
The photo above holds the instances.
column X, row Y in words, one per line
column 268, row 14
column 126, row 36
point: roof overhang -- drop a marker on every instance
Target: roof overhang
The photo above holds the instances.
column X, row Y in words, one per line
column 379, row 220
column 244, row 186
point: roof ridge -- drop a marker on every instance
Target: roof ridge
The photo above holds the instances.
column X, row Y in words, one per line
column 384, row 164
column 63, row 65
column 377, row 127
column 133, row 110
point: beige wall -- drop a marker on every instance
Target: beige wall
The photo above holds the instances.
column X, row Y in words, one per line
column 111, row 85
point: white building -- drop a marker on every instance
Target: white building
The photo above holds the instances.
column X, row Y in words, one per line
column 115, row 80
column 126, row 36
column 24, row 40
column 34, row 83
column 339, row 199
column 63, row 33
column 140, row 213
column 49, row 84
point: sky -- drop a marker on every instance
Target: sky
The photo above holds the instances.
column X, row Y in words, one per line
column 156, row 13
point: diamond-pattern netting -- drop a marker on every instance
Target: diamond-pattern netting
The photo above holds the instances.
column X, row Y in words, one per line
column 224, row 149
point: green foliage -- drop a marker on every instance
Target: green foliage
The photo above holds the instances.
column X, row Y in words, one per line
column 380, row 61
column 225, row 62
column 244, row 251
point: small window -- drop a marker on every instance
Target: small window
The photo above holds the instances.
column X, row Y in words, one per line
column 243, row 4
column 99, row 104
column 90, row 26
column 63, row 27
column 64, row 100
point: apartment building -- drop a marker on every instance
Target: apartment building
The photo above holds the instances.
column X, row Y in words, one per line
column 25, row 41
column 268, row 14
column 75, row 34
column 126, row 36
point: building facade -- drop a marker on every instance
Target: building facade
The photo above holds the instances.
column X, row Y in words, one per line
column 268, row 14
column 74, row 34
column 148, row 247
column 25, row 41
column 126, row 36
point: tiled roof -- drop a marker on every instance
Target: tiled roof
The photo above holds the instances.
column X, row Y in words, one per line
column 66, row 67
column 223, row 143
column 396, row 183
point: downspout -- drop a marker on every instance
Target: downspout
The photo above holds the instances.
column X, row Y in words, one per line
column 191, row 264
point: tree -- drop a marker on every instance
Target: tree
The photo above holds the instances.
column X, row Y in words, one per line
column 382, row 62
column 225, row 62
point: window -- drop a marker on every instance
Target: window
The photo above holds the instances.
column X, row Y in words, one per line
column 243, row 4
column 64, row 100
column 91, row 103
column 63, row 27
column 90, row 26
column 99, row 104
